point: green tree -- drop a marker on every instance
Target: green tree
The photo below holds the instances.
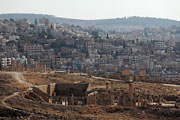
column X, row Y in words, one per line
column 95, row 34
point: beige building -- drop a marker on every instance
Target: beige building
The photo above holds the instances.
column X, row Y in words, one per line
column 33, row 49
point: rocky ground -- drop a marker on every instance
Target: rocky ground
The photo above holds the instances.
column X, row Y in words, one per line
column 148, row 88
column 17, row 107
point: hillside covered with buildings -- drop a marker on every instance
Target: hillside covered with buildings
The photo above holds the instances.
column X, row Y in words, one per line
column 90, row 50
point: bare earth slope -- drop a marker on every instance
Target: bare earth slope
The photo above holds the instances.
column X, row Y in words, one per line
column 14, row 106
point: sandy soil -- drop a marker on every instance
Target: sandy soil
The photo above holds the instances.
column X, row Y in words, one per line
column 12, row 84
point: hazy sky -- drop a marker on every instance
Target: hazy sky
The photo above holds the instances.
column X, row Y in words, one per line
column 95, row 9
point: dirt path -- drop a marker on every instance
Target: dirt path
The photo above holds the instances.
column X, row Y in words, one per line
column 19, row 78
column 94, row 77
column 8, row 97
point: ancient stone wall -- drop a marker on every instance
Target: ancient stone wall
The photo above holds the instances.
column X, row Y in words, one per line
column 48, row 89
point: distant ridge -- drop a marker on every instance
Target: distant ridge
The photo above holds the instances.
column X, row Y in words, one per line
column 117, row 24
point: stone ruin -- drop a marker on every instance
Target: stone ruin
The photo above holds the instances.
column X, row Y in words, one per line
column 80, row 94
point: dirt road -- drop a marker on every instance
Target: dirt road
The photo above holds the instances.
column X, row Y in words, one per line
column 19, row 78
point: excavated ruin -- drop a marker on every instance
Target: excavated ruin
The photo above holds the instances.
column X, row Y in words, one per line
column 81, row 101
